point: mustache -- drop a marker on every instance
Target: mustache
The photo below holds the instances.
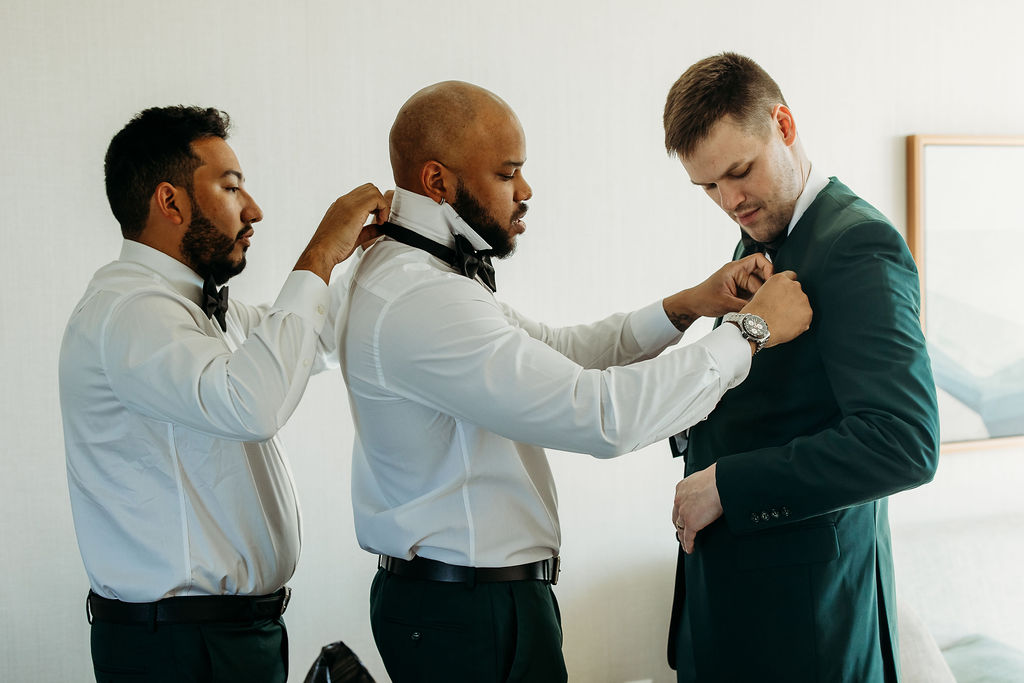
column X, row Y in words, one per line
column 247, row 228
column 520, row 212
column 744, row 208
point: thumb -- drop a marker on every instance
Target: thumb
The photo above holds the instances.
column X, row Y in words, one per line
column 688, row 537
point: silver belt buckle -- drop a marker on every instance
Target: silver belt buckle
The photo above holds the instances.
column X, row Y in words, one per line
column 287, row 599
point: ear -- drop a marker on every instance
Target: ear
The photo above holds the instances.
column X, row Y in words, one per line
column 438, row 181
column 785, row 123
column 170, row 204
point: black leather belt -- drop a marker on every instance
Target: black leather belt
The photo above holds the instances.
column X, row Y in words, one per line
column 189, row 609
column 432, row 570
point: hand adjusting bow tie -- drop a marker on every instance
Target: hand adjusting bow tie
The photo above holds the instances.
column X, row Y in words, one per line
column 752, row 246
column 215, row 303
column 463, row 258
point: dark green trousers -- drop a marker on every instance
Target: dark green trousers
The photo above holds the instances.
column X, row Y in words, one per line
column 190, row 653
column 429, row 631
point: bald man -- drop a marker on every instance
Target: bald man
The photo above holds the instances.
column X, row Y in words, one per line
column 455, row 396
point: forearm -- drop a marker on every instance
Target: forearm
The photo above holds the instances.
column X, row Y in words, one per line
column 162, row 363
column 485, row 371
column 619, row 339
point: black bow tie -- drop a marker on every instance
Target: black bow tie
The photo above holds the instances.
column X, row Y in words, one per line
column 463, row 258
column 752, row 246
column 215, row 303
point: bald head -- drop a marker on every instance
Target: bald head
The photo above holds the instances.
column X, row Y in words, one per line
column 443, row 122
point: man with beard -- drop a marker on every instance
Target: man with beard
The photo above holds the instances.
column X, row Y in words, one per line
column 785, row 570
column 455, row 396
column 183, row 504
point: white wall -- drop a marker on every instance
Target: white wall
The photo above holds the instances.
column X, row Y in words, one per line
column 313, row 87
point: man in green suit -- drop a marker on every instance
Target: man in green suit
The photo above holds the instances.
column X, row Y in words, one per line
column 785, row 569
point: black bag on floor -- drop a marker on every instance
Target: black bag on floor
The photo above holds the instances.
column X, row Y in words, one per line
column 338, row 664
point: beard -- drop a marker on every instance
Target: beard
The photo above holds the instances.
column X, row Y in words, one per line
column 775, row 220
column 207, row 250
column 502, row 240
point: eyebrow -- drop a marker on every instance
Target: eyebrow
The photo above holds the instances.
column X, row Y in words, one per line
column 517, row 164
column 231, row 171
column 727, row 172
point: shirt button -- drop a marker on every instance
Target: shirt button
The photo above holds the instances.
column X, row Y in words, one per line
column 320, row 309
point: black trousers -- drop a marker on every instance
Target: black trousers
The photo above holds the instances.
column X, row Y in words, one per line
column 255, row 652
column 430, row 631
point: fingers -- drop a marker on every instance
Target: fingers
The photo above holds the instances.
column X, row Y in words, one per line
column 687, row 540
column 383, row 210
column 784, row 306
column 368, row 234
column 367, row 200
column 758, row 264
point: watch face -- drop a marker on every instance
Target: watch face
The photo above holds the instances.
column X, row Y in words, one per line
column 755, row 327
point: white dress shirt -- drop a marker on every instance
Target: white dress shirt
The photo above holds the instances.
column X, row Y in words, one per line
column 816, row 182
column 455, row 396
column 178, row 485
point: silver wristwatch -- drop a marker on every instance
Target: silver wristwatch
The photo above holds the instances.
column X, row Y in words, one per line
column 752, row 327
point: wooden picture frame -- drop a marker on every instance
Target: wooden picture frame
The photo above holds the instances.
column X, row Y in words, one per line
column 965, row 228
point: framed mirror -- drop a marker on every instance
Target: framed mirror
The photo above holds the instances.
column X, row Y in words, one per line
column 965, row 228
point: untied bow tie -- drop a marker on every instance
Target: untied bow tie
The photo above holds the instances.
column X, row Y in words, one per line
column 463, row 258
column 215, row 302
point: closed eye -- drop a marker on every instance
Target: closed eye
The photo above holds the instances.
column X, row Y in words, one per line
column 741, row 174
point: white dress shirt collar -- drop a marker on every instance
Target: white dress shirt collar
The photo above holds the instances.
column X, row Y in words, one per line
column 438, row 222
column 180, row 277
column 816, row 182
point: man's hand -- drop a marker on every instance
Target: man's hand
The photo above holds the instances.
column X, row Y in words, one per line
column 728, row 289
column 784, row 307
column 696, row 505
column 344, row 228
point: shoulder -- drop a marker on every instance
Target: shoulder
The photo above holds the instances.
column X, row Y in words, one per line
column 844, row 221
column 394, row 272
column 138, row 297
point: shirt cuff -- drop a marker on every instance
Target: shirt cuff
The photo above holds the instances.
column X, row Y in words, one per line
column 731, row 351
column 306, row 295
column 651, row 327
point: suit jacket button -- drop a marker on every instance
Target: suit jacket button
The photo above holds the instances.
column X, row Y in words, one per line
column 754, row 518
column 775, row 514
column 785, row 512
column 764, row 515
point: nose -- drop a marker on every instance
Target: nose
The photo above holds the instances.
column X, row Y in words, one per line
column 252, row 213
column 523, row 189
column 730, row 196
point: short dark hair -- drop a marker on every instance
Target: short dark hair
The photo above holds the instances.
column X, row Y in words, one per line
column 722, row 85
column 154, row 147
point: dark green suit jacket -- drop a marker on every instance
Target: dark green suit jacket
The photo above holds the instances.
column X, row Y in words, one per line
column 795, row 581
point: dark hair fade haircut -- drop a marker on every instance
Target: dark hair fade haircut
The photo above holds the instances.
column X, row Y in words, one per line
column 154, row 147
column 722, row 85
